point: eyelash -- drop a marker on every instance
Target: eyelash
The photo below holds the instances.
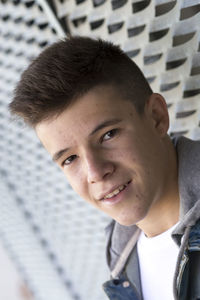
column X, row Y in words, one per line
column 113, row 131
column 70, row 157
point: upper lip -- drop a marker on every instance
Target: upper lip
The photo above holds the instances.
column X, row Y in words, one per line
column 101, row 197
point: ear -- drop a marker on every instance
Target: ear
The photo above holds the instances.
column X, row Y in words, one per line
column 156, row 109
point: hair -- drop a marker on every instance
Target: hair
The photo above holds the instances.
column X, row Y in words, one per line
column 70, row 68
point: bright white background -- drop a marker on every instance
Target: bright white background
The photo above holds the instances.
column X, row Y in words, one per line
column 11, row 285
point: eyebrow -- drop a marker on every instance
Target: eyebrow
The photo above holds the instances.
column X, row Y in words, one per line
column 105, row 124
column 102, row 125
column 58, row 154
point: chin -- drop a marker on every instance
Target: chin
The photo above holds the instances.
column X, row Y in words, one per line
column 130, row 221
column 126, row 222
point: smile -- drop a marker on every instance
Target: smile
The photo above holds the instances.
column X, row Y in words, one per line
column 110, row 197
column 116, row 191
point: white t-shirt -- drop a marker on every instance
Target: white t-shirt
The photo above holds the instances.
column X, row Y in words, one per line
column 157, row 261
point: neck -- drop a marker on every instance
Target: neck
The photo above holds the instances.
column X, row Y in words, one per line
column 164, row 212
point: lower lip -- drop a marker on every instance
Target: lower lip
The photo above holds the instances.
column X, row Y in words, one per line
column 117, row 198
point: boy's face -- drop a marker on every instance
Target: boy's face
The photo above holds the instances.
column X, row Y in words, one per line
column 113, row 158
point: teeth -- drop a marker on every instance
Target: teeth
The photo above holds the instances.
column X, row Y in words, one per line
column 115, row 192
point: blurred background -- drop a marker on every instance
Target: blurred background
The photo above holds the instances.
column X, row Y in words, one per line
column 52, row 243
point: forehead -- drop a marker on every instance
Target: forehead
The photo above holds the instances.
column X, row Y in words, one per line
column 99, row 99
column 81, row 117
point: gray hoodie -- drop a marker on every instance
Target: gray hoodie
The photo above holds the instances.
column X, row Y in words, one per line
column 121, row 250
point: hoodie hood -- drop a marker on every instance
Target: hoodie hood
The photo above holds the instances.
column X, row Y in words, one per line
column 189, row 182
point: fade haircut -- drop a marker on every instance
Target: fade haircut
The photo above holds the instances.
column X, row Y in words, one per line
column 67, row 70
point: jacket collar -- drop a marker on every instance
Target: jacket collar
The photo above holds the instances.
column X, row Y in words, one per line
column 188, row 152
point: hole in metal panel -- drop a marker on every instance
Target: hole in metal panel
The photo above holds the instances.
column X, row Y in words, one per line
column 115, row 27
column 169, row 105
column 183, row 38
column 16, row 2
column 118, row 3
column 135, row 31
column 43, row 44
column 43, row 25
column 79, row 21
column 30, row 40
column 152, row 59
column 191, row 93
column 30, row 22
column 156, row 35
column 96, row 24
column 164, row 8
column 5, row 17
column 29, row 4
column 138, row 6
column 97, row 3
column 151, row 79
column 80, row 2
column 133, row 53
column 18, row 20
column 195, row 71
column 175, row 63
column 189, row 12
column 184, row 114
column 169, row 86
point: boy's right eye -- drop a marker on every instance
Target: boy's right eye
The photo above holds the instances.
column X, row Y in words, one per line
column 69, row 160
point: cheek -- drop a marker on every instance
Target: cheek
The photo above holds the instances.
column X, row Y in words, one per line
column 130, row 154
column 130, row 147
column 77, row 182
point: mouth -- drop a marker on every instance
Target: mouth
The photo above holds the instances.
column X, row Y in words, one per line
column 114, row 195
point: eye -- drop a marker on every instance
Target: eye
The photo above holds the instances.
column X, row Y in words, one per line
column 109, row 135
column 69, row 160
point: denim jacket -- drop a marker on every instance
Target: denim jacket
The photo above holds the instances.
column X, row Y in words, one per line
column 121, row 250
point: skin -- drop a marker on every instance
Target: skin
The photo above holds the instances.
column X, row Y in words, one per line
column 134, row 149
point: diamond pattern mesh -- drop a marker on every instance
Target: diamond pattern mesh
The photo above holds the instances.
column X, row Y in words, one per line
column 55, row 239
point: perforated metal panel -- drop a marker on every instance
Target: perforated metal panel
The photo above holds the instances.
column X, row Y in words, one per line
column 55, row 239
column 161, row 36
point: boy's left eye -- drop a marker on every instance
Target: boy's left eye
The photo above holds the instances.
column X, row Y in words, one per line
column 108, row 135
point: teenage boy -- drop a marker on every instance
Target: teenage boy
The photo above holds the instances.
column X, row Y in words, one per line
column 97, row 116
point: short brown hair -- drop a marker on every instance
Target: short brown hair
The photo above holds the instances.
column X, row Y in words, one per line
column 70, row 68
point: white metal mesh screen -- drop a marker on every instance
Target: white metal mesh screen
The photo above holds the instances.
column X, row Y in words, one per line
column 162, row 36
column 56, row 239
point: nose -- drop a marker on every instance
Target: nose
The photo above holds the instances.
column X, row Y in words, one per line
column 98, row 167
